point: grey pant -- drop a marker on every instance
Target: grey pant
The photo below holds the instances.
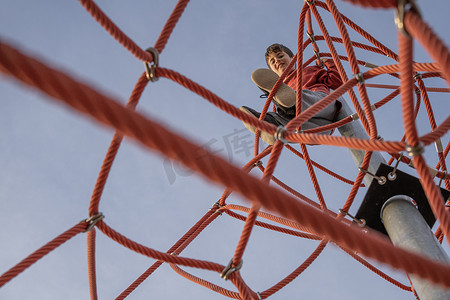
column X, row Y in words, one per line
column 309, row 98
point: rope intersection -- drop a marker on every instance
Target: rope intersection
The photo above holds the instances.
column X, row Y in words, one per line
column 292, row 213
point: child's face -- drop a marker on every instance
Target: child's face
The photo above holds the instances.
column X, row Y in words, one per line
column 278, row 61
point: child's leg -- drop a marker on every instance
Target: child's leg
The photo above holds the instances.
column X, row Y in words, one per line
column 328, row 114
column 324, row 117
column 265, row 79
column 314, row 123
column 356, row 130
column 271, row 117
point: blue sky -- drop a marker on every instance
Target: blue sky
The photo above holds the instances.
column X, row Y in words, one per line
column 51, row 155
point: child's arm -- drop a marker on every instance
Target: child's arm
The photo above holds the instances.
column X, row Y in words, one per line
column 330, row 76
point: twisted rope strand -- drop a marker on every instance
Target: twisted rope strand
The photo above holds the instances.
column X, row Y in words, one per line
column 115, row 31
column 303, row 215
column 157, row 264
column 156, row 137
column 41, row 252
column 91, row 264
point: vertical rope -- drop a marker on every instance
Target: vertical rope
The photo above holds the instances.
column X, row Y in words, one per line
column 91, row 264
column 114, row 148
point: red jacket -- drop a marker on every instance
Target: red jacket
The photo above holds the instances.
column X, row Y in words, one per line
column 317, row 79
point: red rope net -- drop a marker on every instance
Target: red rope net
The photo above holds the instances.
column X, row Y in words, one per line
column 291, row 213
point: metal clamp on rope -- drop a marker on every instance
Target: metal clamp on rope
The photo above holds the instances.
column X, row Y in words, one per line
column 416, row 150
column 309, row 2
column 92, row 221
column 150, row 70
column 444, row 177
column 403, row 7
column 257, row 164
column 370, row 65
column 356, row 117
column 259, row 295
column 392, row 175
column 230, row 269
column 360, row 78
column 311, row 37
column 317, row 54
column 374, row 107
column 216, row 207
column 439, row 147
column 279, row 134
column 361, row 222
column 417, row 76
column 381, row 179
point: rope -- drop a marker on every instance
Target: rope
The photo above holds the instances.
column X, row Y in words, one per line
column 91, row 263
column 377, row 271
column 296, row 272
column 41, row 252
column 114, row 148
column 194, row 231
column 131, row 122
column 304, row 217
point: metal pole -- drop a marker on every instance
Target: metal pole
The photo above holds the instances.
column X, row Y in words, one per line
column 408, row 229
column 356, row 130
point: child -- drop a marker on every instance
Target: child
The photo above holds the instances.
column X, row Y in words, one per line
column 317, row 82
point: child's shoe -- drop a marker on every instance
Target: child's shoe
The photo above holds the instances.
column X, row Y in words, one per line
column 265, row 79
column 266, row 137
